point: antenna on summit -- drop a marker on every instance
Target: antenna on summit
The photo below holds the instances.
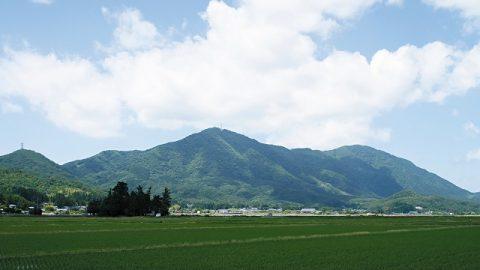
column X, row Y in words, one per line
column 21, row 146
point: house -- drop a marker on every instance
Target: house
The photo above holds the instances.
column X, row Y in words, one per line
column 12, row 206
column 308, row 210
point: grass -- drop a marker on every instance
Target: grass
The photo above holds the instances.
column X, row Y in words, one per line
column 240, row 243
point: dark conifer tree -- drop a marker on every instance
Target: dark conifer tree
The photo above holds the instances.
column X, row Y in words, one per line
column 117, row 201
column 93, row 207
column 157, row 204
column 167, row 201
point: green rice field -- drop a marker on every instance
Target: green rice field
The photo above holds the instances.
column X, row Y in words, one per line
column 240, row 243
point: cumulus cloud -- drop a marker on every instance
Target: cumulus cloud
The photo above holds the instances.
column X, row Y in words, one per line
column 472, row 128
column 253, row 72
column 132, row 31
column 469, row 9
column 71, row 92
column 473, row 155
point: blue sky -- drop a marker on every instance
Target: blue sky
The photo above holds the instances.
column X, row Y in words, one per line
column 80, row 77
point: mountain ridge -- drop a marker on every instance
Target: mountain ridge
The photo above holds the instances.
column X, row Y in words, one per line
column 403, row 170
column 218, row 167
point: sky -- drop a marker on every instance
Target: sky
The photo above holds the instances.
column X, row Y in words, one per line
column 80, row 77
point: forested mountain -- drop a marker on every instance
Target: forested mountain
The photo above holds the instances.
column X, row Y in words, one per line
column 32, row 162
column 218, row 167
column 28, row 178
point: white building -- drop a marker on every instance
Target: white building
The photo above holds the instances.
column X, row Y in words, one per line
column 308, row 210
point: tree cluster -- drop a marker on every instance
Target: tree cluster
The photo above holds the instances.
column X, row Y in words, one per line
column 121, row 202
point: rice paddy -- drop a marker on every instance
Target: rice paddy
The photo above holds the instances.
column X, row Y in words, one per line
column 240, row 243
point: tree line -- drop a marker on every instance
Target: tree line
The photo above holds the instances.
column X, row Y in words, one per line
column 121, row 202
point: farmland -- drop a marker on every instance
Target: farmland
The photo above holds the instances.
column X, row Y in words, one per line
column 240, row 243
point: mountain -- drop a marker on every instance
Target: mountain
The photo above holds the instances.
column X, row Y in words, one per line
column 217, row 167
column 405, row 172
column 221, row 168
column 32, row 162
column 213, row 168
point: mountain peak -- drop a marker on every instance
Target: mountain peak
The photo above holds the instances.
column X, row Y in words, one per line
column 358, row 148
column 24, row 153
column 212, row 129
column 218, row 131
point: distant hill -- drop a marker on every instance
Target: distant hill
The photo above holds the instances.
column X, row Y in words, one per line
column 28, row 172
column 407, row 200
column 218, row 167
column 32, row 162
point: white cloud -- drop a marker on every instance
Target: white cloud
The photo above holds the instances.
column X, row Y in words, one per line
column 469, row 9
column 132, row 31
column 253, row 72
column 472, row 128
column 71, row 92
column 42, row 2
column 473, row 155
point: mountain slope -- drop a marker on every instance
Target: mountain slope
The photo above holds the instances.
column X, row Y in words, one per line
column 31, row 170
column 218, row 167
column 405, row 172
column 11, row 179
